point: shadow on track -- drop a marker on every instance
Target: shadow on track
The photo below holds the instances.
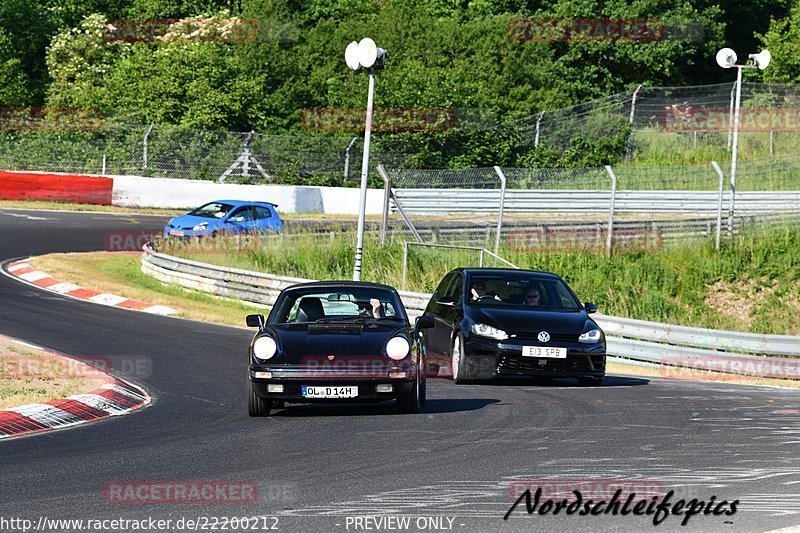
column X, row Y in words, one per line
column 384, row 408
column 609, row 381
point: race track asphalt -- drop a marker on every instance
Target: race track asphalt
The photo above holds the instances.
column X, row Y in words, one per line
column 319, row 467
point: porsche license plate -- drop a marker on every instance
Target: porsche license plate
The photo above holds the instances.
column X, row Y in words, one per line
column 329, row 392
column 544, row 351
column 176, row 232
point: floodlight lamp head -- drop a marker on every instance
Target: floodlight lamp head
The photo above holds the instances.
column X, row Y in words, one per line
column 726, row 58
column 351, row 56
column 761, row 59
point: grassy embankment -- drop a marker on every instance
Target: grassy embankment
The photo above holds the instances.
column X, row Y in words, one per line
column 29, row 376
column 751, row 284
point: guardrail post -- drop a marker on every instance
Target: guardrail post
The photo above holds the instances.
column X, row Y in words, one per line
column 503, row 183
column 719, row 203
column 610, row 237
column 387, row 191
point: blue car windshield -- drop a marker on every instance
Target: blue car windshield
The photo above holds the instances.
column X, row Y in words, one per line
column 212, row 210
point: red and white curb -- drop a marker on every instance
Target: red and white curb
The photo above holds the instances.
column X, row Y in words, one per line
column 114, row 398
column 25, row 272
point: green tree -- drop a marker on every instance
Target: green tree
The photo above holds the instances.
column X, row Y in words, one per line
column 15, row 89
column 783, row 41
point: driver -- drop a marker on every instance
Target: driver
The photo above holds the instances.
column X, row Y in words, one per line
column 375, row 310
column 478, row 291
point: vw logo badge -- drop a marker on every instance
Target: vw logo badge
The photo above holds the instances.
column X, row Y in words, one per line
column 543, row 336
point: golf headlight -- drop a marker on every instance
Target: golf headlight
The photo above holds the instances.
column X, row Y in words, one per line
column 264, row 348
column 200, row 227
column 397, row 348
column 592, row 336
column 488, row 331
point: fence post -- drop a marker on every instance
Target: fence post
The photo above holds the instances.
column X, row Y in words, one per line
column 719, row 204
column 405, row 262
column 347, row 158
column 536, row 138
column 387, row 190
column 629, row 148
column 104, row 165
column 503, row 183
column 144, row 148
column 771, row 142
column 610, row 237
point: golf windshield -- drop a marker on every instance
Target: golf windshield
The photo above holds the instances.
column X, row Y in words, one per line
column 528, row 290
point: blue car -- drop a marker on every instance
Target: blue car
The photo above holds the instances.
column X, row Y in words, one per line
column 226, row 216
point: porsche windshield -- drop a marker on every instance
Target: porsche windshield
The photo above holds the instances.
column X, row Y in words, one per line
column 341, row 303
column 520, row 290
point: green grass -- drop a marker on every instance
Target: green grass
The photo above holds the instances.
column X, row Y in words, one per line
column 671, row 285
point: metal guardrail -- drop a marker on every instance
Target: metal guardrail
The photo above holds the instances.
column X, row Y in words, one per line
column 669, row 346
column 567, row 201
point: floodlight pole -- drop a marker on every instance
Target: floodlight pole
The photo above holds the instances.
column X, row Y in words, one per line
column 735, row 155
column 362, row 209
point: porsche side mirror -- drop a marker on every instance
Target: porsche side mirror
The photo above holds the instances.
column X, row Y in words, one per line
column 590, row 307
column 425, row 322
column 255, row 321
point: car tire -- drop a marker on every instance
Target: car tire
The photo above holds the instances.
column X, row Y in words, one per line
column 256, row 405
column 590, row 382
column 460, row 375
column 410, row 396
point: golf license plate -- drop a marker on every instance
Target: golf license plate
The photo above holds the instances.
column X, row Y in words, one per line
column 176, row 232
column 329, row 392
column 544, row 351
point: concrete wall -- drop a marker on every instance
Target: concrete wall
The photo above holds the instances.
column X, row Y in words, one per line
column 133, row 191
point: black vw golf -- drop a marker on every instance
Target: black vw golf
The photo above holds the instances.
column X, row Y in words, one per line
column 503, row 322
column 336, row 341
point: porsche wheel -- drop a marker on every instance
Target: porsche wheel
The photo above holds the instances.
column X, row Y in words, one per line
column 410, row 396
column 256, row 405
column 457, row 360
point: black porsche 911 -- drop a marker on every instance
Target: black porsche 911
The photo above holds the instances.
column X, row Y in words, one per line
column 336, row 341
column 516, row 323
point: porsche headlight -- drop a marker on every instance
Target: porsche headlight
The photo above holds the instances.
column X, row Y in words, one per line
column 264, row 348
column 200, row 227
column 488, row 331
column 397, row 348
column 591, row 337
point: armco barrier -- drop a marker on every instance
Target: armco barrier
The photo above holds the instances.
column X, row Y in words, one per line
column 666, row 345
